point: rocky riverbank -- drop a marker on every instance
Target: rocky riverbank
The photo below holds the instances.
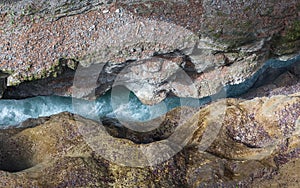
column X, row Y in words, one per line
column 253, row 141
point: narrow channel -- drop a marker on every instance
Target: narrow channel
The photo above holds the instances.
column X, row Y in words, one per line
column 15, row 111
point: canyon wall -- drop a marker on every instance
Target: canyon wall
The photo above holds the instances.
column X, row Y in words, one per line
column 216, row 43
column 186, row 48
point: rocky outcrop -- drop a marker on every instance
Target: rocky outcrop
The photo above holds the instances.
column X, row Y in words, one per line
column 243, row 143
column 217, row 43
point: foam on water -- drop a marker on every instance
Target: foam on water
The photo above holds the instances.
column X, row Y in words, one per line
column 14, row 112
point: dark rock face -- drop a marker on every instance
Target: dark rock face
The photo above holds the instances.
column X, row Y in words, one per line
column 250, row 147
column 282, row 81
column 3, row 82
column 58, row 85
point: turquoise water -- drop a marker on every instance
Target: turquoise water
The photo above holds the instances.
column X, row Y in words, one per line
column 16, row 111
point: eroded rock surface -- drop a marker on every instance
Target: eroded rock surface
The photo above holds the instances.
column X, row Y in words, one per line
column 246, row 142
column 282, row 81
column 221, row 43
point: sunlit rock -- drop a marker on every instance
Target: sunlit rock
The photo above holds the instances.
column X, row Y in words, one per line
column 246, row 142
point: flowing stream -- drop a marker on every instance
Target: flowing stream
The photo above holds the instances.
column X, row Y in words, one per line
column 14, row 112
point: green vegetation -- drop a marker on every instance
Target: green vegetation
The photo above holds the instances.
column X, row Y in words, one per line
column 30, row 10
column 294, row 32
column 287, row 43
column 217, row 35
column 12, row 18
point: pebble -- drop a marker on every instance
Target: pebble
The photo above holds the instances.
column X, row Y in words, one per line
column 105, row 11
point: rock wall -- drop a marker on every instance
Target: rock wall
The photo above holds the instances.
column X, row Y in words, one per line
column 218, row 43
column 3, row 83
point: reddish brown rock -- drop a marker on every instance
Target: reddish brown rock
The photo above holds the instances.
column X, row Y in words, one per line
column 224, row 42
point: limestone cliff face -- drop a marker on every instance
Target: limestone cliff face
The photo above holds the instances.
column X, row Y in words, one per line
column 217, row 42
column 243, row 143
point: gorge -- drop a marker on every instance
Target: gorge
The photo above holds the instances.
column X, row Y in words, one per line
column 16, row 111
column 149, row 93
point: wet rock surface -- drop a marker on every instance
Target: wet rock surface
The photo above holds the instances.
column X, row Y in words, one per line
column 253, row 142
